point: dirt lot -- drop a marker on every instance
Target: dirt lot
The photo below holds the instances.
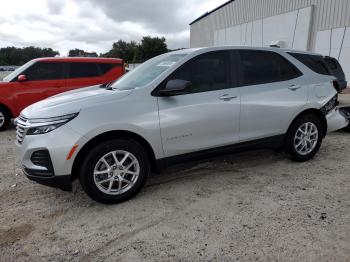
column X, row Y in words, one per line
column 247, row 207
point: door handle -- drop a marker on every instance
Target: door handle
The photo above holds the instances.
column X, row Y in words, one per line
column 227, row 97
column 294, row 87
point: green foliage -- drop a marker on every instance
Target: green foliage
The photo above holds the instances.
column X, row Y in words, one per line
column 82, row 53
column 123, row 50
column 133, row 52
column 130, row 52
column 19, row 56
column 151, row 47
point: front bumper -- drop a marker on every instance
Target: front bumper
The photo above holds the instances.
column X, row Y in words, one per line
column 54, row 169
column 337, row 119
column 61, row 182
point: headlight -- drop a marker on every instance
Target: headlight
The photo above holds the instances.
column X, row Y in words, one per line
column 38, row 126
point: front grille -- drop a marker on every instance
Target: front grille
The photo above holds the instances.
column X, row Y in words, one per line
column 42, row 158
column 21, row 128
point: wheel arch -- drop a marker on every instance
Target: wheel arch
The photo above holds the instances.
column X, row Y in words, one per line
column 7, row 108
column 312, row 111
column 112, row 135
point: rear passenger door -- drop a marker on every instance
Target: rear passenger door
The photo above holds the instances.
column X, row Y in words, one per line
column 83, row 74
column 206, row 117
column 271, row 94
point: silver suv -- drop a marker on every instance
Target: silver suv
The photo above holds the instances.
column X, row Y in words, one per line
column 181, row 105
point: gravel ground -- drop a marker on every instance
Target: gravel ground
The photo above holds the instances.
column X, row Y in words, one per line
column 254, row 206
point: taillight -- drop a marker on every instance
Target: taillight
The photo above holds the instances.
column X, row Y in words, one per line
column 335, row 85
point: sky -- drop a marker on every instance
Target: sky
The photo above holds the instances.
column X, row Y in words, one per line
column 93, row 25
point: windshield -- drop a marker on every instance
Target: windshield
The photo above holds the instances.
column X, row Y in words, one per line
column 18, row 71
column 148, row 71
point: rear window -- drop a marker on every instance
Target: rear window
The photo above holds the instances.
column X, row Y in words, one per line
column 315, row 62
column 105, row 67
column 332, row 64
column 80, row 70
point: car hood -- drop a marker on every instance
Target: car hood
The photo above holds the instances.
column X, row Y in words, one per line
column 96, row 87
column 72, row 102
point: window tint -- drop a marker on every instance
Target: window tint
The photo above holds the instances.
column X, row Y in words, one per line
column 207, row 72
column 259, row 67
column 315, row 62
column 83, row 70
column 332, row 64
column 335, row 68
column 44, row 71
column 104, row 68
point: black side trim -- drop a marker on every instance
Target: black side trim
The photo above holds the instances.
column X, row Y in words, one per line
column 61, row 182
column 274, row 142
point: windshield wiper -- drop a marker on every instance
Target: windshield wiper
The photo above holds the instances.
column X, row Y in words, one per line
column 106, row 85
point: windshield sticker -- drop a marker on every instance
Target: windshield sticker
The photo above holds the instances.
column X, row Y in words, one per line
column 166, row 63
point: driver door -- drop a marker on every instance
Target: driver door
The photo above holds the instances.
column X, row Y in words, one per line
column 206, row 117
column 44, row 79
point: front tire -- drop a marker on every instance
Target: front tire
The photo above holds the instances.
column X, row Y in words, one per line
column 114, row 171
column 4, row 118
column 304, row 138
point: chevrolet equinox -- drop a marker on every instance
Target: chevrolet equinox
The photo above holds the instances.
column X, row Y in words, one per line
column 178, row 106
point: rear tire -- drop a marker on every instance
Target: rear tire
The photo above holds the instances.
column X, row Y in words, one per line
column 4, row 118
column 304, row 138
column 123, row 165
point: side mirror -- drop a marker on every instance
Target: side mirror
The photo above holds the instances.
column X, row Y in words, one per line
column 175, row 87
column 22, row 78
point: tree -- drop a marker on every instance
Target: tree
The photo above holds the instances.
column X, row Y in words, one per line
column 133, row 52
column 19, row 56
column 79, row 52
column 151, row 47
column 123, row 50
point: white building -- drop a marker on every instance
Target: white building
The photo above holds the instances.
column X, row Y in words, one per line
column 322, row 26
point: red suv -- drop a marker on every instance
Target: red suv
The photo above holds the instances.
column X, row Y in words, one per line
column 44, row 77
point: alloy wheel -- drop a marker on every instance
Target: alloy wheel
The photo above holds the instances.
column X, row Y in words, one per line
column 2, row 119
column 116, row 172
column 306, row 138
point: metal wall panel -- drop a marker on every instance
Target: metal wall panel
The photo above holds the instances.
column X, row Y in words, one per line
column 327, row 14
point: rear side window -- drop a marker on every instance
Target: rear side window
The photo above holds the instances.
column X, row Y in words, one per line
column 105, row 67
column 315, row 62
column 207, row 72
column 80, row 70
column 45, row 71
column 260, row 67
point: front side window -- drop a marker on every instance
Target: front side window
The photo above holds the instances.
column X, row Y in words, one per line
column 207, row 72
column 44, row 71
column 82, row 70
column 13, row 76
column 261, row 67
